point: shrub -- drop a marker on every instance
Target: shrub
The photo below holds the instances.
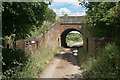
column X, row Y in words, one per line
column 104, row 65
column 13, row 61
column 37, row 62
column 19, row 64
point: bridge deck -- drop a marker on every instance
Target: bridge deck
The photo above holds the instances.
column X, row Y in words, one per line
column 71, row 19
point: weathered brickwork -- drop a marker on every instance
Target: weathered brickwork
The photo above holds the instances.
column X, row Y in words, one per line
column 53, row 36
column 93, row 44
column 100, row 43
column 20, row 44
column 56, row 36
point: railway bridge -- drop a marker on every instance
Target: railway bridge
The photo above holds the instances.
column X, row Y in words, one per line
column 56, row 35
column 59, row 31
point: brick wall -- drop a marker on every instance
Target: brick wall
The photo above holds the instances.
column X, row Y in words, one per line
column 93, row 44
column 50, row 38
column 101, row 43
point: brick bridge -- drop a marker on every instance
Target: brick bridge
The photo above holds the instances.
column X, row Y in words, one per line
column 58, row 32
column 66, row 25
column 56, row 35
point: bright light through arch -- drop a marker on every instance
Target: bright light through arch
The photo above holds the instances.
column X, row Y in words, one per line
column 75, row 32
column 74, row 39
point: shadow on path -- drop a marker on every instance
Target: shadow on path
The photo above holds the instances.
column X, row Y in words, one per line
column 68, row 57
column 65, row 66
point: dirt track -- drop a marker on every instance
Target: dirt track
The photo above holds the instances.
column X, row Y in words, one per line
column 65, row 65
column 78, row 44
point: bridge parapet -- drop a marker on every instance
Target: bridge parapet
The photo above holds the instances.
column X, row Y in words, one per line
column 71, row 19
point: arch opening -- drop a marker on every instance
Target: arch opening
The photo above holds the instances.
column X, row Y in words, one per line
column 71, row 38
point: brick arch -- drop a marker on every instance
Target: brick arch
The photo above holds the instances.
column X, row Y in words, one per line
column 64, row 27
column 64, row 34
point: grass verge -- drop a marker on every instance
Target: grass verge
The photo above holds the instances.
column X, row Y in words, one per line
column 103, row 65
column 19, row 65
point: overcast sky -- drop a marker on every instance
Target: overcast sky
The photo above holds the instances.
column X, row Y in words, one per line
column 71, row 7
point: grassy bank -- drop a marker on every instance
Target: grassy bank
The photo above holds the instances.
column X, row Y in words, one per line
column 103, row 65
column 37, row 62
column 19, row 65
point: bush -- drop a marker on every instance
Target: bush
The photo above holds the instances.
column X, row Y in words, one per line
column 37, row 62
column 13, row 61
column 18, row 64
column 104, row 65
column 74, row 37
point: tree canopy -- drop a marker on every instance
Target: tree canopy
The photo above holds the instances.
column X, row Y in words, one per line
column 103, row 18
column 50, row 15
column 20, row 18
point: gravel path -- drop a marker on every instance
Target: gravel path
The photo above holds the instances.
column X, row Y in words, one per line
column 65, row 65
column 78, row 44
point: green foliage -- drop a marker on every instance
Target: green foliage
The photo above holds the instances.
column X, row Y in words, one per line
column 42, row 29
column 25, row 19
column 57, row 19
column 113, row 20
column 58, row 49
column 13, row 61
column 85, row 59
column 22, row 18
column 65, row 14
column 50, row 15
column 18, row 17
column 103, row 19
column 37, row 62
column 74, row 37
column 104, row 65
column 18, row 64
column 50, row 19
column 95, row 18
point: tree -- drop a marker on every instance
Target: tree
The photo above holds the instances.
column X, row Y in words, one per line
column 103, row 19
column 66, row 14
column 21, row 18
column 113, row 20
column 50, row 15
column 95, row 18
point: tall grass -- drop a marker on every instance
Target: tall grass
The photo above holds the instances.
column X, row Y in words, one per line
column 103, row 65
column 37, row 62
column 18, row 65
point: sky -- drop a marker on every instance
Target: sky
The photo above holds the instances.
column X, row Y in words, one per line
column 75, row 32
column 71, row 7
